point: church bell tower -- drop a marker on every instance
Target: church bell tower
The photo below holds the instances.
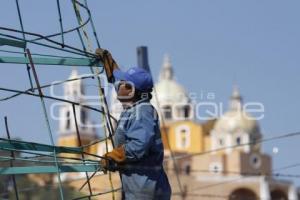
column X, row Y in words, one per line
column 74, row 91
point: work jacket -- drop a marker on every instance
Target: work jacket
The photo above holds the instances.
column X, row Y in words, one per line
column 143, row 176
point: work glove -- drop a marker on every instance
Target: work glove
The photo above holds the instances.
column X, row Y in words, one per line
column 111, row 159
column 108, row 62
column 108, row 164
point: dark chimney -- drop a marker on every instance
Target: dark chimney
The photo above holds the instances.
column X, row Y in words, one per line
column 142, row 57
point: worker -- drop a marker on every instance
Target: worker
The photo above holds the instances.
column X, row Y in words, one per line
column 138, row 151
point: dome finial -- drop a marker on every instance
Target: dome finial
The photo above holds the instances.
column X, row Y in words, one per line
column 236, row 100
column 75, row 87
column 74, row 73
column 235, row 92
column 167, row 70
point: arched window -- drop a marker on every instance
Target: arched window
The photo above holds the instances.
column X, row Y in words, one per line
column 183, row 135
column 253, row 139
column 83, row 116
column 167, row 112
column 221, row 141
column 186, row 111
column 82, row 89
column 183, row 138
column 278, row 195
column 182, row 111
column 68, row 120
column 238, row 140
column 243, row 194
column 75, row 94
column 187, row 170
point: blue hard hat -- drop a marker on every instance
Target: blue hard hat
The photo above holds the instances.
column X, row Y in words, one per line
column 140, row 77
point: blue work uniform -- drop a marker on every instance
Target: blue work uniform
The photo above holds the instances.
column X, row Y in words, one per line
column 143, row 176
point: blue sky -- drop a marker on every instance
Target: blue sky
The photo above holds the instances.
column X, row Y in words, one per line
column 212, row 44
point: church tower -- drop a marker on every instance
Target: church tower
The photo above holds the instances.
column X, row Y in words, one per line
column 237, row 135
column 74, row 91
column 180, row 131
column 169, row 98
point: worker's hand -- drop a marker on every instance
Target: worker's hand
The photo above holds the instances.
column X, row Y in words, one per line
column 112, row 159
column 100, row 53
column 117, row 154
column 104, row 164
column 108, row 62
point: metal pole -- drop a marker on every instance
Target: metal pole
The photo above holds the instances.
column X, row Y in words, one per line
column 11, row 162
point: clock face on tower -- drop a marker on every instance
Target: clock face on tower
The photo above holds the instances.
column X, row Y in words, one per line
column 255, row 160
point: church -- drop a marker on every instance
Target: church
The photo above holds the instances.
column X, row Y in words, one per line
column 217, row 159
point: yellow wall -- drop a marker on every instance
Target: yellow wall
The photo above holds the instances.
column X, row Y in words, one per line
column 72, row 141
column 207, row 142
column 164, row 136
column 196, row 140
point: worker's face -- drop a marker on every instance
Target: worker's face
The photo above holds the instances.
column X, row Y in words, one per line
column 125, row 91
